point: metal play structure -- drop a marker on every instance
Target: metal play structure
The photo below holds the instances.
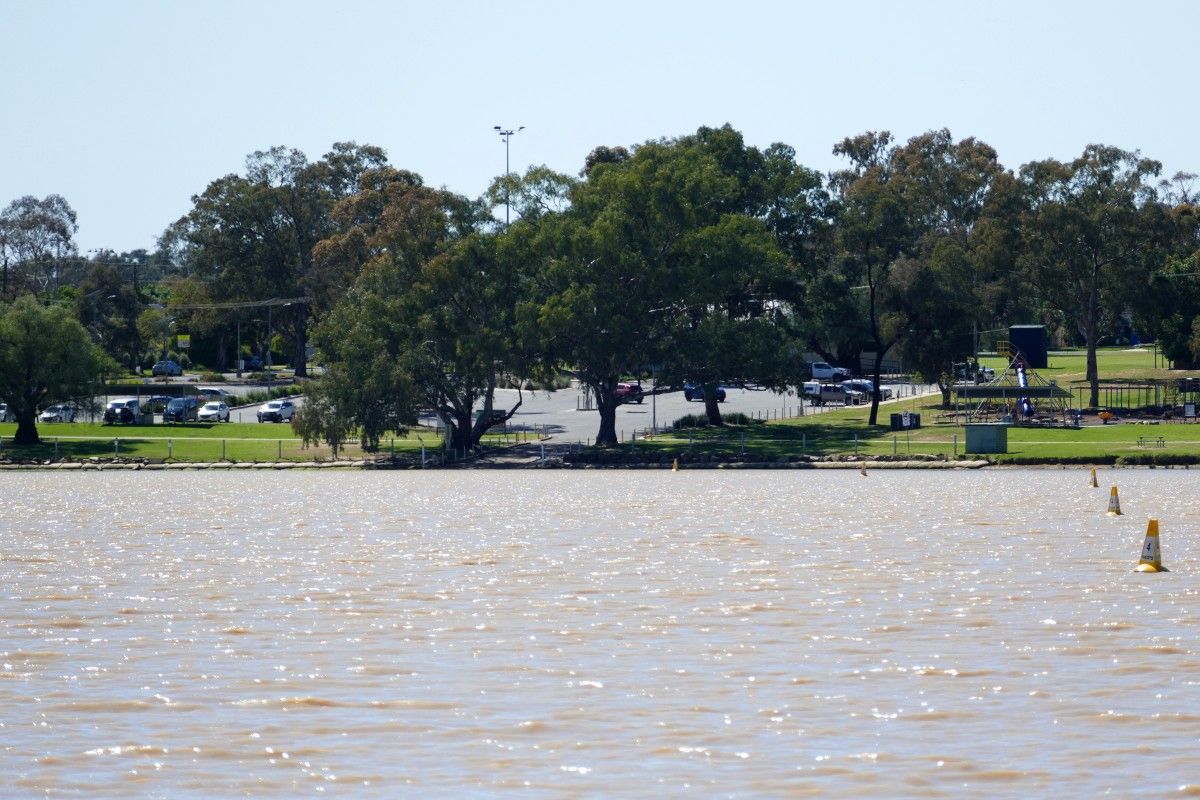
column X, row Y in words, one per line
column 1017, row 395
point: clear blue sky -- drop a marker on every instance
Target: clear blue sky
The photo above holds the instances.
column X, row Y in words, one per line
column 129, row 107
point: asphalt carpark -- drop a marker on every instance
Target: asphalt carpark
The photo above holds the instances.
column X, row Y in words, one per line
column 567, row 416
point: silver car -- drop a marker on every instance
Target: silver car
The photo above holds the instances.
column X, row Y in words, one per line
column 59, row 413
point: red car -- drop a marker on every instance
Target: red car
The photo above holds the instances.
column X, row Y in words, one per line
column 629, row 393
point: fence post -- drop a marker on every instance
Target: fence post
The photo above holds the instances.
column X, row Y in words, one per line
column 856, row 445
column 116, row 447
column 804, row 444
column 894, row 444
column 55, row 448
column 743, row 443
column 222, row 449
column 279, row 450
column 170, row 449
column 422, row 456
column 956, row 445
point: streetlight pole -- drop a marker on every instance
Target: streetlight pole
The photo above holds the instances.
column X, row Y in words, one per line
column 506, row 134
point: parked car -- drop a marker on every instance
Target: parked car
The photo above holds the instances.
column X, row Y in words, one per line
column 214, row 411
column 208, row 393
column 833, row 393
column 181, row 409
column 822, row 371
column 59, row 413
column 629, row 393
column 6, row 415
column 157, row 404
column 868, row 388
column 277, row 411
column 970, row 371
column 166, row 367
column 694, row 391
column 124, row 410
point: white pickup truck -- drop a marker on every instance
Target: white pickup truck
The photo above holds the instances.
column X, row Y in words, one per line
column 827, row 372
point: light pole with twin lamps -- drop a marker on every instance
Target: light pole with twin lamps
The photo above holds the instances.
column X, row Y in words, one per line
column 506, row 134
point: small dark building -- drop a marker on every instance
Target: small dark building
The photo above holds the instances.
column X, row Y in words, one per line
column 1031, row 341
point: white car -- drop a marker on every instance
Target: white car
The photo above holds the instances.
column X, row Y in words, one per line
column 5, row 414
column 214, row 412
column 277, row 411
column 822, row 371
column 58, row 413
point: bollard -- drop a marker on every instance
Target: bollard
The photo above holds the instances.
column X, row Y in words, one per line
column 856, row 445
column 804, row 444
column 222, row 449
column 422, row 456
column 894, row 444
column 279, row 450
column 543, row 447
column 743, row 443
column 169, row 448
column 956, row 445
column 116, row 447
column 56, row 448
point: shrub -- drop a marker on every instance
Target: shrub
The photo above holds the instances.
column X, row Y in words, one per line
column 690, row 421
column 212, row 377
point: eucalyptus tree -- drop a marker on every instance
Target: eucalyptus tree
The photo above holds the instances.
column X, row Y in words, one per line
column 35, row 236
column 428, row 322
column 907, row 215
column 253, row 235
column 109, row 308
column 1086, row 223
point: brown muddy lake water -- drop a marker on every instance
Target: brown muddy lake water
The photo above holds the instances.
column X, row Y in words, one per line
column 598, row 634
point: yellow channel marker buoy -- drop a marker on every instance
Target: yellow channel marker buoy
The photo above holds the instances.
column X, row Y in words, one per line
column 862, row 469
column 1114, row 503
column 675, row 465
column 1151, row 554
column 1095, row 483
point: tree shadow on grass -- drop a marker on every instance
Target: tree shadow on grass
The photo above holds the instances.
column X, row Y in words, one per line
column 776, row 441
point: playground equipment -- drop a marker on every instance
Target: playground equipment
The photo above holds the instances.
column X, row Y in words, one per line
column 1018, row 396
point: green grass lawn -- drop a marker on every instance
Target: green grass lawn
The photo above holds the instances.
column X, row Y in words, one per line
column 203, row 442
column 846, row 432
column 1112, row 363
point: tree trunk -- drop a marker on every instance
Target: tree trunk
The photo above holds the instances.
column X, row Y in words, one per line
column 460, row 431
column 606, row 404
column 875, row 370
column 945, row 390
column 711, row 409
column 301, row 359
column 1089, row 332
column 26, row 427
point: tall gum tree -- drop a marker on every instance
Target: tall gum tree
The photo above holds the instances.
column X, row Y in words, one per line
column 907, row 216
column 253, row 235
column 614, row 268
column 1086, row 221
column 430, row 312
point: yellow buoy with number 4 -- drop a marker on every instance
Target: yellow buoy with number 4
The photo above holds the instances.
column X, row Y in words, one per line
column 1095, row 483
column 1114, row 503
column 1151, row 553
column 675, row 465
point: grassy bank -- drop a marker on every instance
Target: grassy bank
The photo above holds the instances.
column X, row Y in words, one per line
column 202, row 442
